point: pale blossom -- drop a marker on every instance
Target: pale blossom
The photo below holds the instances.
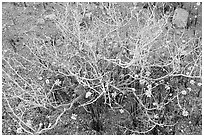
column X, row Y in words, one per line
column 192, row 82
column 136, row 75
column 184, row 92
column 156, row 116
column 168, row 41
column 155, row 103
column 47, row 81
column 57, row 82
column 199, row 84
column 38, row 89
column 74, row 116
column 198, row 3
column 187, row 73
column 142, row 81
column 121, row 111
column 149, row 86
column 88, row 94
column 189, row 89
column 170, row 94
column 148, row 93
column 29, row 123
column 185, row 113
column 19, row 130
column 40, row 125
column 167, row 87
column 40, row 78
column 190, row 68
column 148, row 73
column 114, row 94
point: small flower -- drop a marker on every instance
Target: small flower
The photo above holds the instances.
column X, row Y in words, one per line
column 198, row 3
column 136, row 76
column 149, row 86
column 170, row 94
column 187, row 73
column 40, row 125
column 190, row 68
column 167, row 87
column 50, row 16
column 142, row 81
column 148, row 73
column 185, row 113
column 114, row 94
column 199, row 84
column 47, row 81
column 19, row 130
column 156, row 116
column 192, row 82
column 88, row 94
column 189, row 89
column 155, row 103
column 40, row 78
column 38, row 89
column 121, row 111
column 183, row 92
column 160, row 106
column 148, row 93
column 57, row 82
column 41, row 21
column 29, row 123
column 168, row 41
column 74, row 116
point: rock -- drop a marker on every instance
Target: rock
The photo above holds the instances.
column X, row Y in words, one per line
column 180, row 17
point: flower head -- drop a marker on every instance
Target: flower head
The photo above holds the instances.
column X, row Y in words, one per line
column 156, row 116
column 155, row 103
column 142, row 81
column 19, row 130
column 198, row 3
column 199, row 84
column 74, row 116
column 192, row 82
column 187, row 73
column 114, row 94
column 88, row 94
column 40, row 78
column 148, row 93
column 183, row 92
column 47, row 81
column 189, row 89
column 57, row 82
column 185, row 113
column 29, row 123
column 148, row 73
column 167, row 87
column 121, row 111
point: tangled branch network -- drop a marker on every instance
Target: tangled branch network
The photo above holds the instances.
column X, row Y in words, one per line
column 82, row 52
